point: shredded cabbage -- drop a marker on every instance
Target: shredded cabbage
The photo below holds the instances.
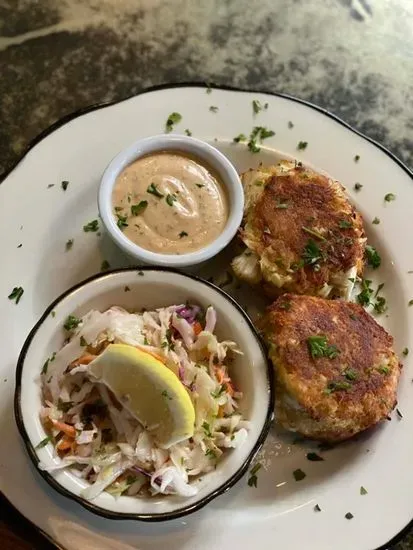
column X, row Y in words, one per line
column 102, row 442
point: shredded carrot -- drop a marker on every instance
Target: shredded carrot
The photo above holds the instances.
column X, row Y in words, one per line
column 152, row 353
column 84, row 359
column 65, row 428
column 197, row 328
column 64, row 444
column 220, row 374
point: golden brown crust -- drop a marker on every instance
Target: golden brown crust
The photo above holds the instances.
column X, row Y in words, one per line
column 294, row 206
column 364, row 374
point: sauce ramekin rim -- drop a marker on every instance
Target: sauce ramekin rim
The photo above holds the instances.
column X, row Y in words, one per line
column 186, row 144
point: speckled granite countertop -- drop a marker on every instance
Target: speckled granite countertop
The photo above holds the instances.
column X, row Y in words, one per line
column 353, row 57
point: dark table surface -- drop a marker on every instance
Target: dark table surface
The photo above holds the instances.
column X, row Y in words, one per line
column 353, row 57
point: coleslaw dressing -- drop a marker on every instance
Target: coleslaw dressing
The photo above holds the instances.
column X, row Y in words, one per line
column 170, row 203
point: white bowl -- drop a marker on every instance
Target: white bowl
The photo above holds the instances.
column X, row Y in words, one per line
column 199, row 149
column 149, row 288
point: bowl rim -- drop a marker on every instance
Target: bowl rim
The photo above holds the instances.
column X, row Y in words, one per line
column 165, row 516
column 185, row 144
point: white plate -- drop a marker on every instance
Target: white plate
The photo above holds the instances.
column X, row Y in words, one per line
column 280, row 511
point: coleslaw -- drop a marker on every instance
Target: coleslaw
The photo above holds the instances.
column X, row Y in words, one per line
column 99, row 440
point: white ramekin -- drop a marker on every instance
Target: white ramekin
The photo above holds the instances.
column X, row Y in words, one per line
column 204, row 152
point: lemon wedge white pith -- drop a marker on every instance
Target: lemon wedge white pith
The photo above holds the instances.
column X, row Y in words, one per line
column 149, row 390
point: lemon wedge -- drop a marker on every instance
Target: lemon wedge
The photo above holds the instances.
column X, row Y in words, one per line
column 149, row 390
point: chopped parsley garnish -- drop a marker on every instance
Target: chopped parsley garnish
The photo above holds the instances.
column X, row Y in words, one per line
column 122, row 223
column 208, row 90
column 350, row 374
column 339, row 385
column 389, row 197
column 281, row 205
column 380, row 305
column 258, row 134
column 44, row 442
column 383, row 370
column 170, row 199
column 319, row 347
column 399, row 414
column 200, row 185
column 126, row 289
column 358, row 186
column 285, row 305
column 183, row 234
column 349, row 515
column 363, row 298
column 372, row 256
column 141, row 273
column 16, row 294
column 69, row 244
column 376, row 221
column 405, row 351
column 302, row 145
column 105, row 265
column 166, row 395
column 314, row 457
column 45, row 366
column 210, row 453
column 188, row 132
column 299, row 475
column 363, row 491
column 217, row 393
column 213, row 109
column 239, row 138
column 20, row 245
column 315, row 234
column 137, row 209
column 153, row 190
column 257, row 106
column 207, row 429
column 92, row 226
column 72, row 322
column 50, row 185
column 317, row 508
column 410, row 303
column 344, row 224
column 65, row 185
column 64, row 406
column 253, row 479
column 290, row 124
column 82, row 341
column 356, row 158
column 312, row 254
column 172, row 119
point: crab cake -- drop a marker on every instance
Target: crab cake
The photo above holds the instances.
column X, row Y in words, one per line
column 301, row 232
column 336, row 371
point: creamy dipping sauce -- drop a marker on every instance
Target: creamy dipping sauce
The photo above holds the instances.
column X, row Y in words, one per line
column 170, row 203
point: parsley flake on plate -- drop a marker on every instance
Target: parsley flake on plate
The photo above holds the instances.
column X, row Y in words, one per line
column 314, row 457
column 173, row 118
column 122, row 222
column 373, row 257
column 92, row 226
column 16, row 294
column 239, row 138
column 376, row 221
column 188, row 132
column 349, row 515
column 405, row 351
column 290, row 125
column 299, row 475
column 363, row 491
column 213, row 109
column 356, row 158
column 65, row 185
column 69, row 244
column 302, row 145
column 358, row 186
column 317, row 508
column 258, row 134
column 105, row 265
column 390, row 197
column 253, row 479
column 170, row 199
